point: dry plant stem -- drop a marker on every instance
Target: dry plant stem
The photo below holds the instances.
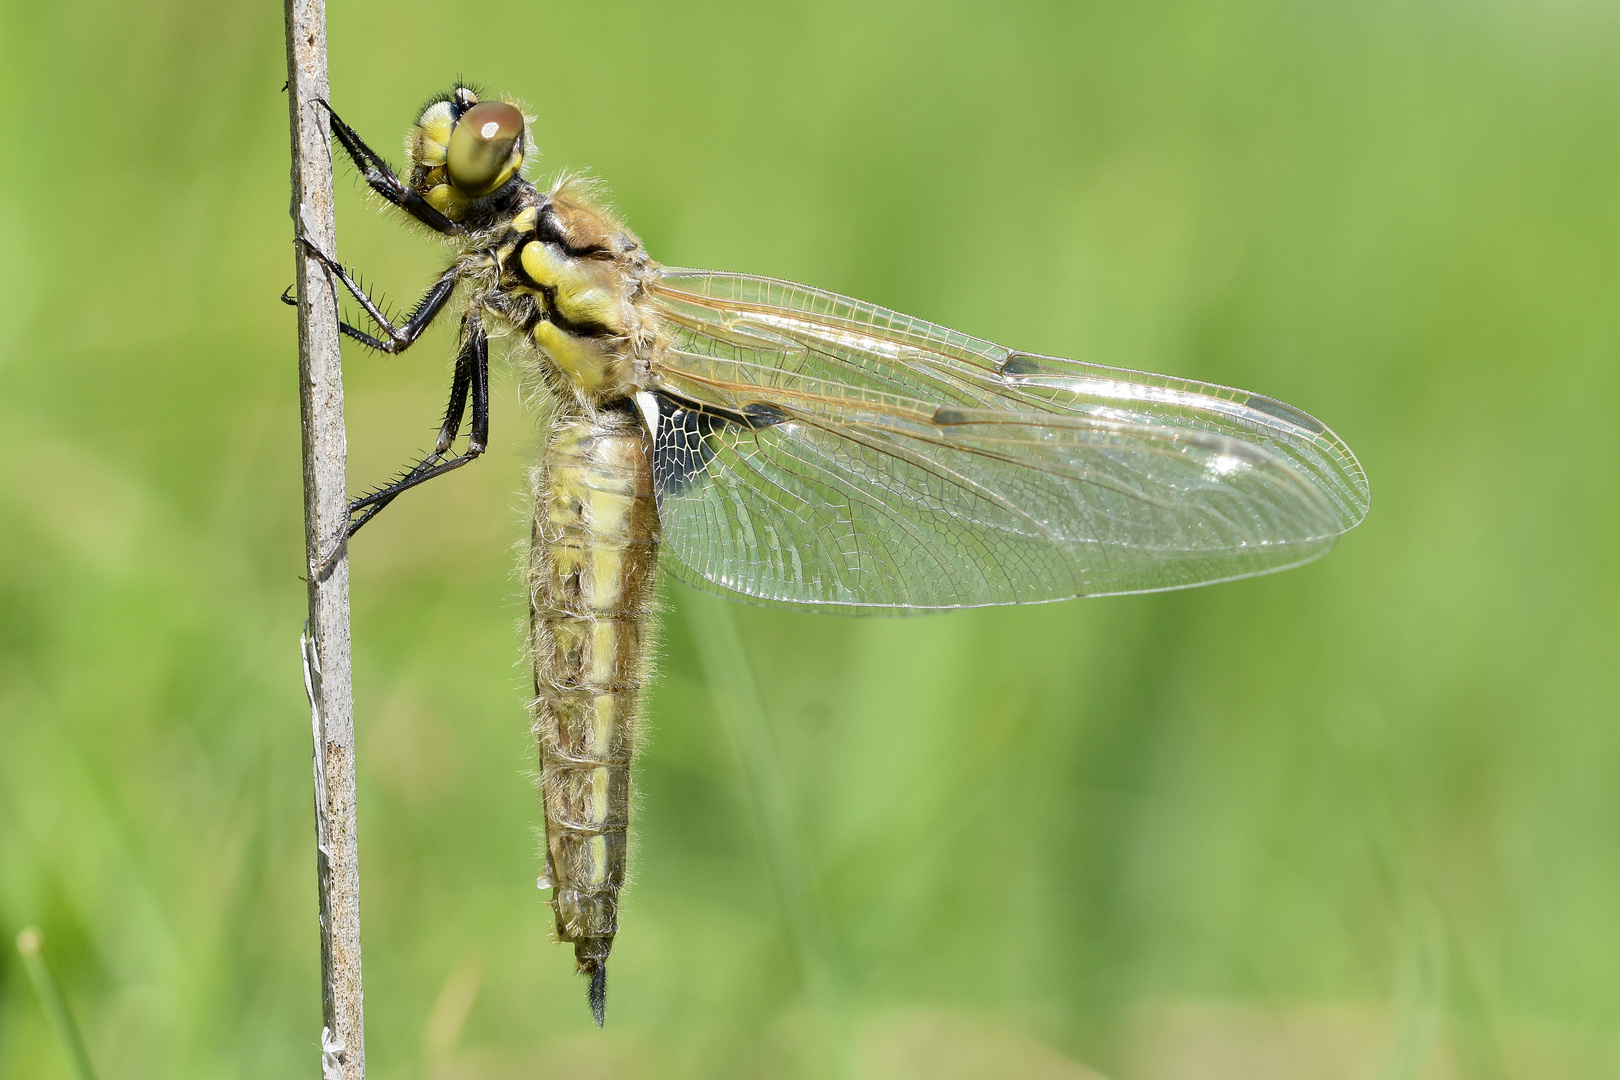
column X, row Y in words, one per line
column 326, row 653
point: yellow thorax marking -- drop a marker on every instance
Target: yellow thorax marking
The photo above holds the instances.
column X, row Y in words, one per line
column 584, row 288
column 582, row 359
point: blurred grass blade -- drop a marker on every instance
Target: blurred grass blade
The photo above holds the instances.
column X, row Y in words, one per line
column 770, row 796
column 741, row 706
column 31, row 943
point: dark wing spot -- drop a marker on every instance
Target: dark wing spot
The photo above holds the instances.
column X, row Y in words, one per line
column 1019, row 364
column 682, row 450
column 759, row 414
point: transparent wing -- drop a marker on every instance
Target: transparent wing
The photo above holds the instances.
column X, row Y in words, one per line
column 813, row 449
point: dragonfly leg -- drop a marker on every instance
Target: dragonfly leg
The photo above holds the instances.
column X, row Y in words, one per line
column 381, row 178
column 471, row 380
column 395, row 340
column 471, row 376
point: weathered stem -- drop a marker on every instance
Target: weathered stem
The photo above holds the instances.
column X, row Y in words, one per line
column 326, row 651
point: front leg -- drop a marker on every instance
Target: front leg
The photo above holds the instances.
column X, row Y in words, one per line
column 471, row 379
column 382, row 179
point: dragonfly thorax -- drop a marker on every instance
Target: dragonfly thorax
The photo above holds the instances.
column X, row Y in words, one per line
column 572, row 284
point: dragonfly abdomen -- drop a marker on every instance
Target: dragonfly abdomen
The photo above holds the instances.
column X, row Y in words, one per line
column 591, row 572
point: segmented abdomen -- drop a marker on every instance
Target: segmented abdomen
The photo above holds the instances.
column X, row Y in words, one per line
column 591, row 571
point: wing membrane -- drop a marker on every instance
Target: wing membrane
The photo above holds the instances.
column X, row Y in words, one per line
column 819, row 450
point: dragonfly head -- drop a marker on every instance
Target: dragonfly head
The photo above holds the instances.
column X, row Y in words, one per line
column 463, row 150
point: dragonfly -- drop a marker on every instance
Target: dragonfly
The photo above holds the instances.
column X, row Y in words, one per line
column 784, row 445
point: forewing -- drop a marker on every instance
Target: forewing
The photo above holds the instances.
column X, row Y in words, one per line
column 813, row 449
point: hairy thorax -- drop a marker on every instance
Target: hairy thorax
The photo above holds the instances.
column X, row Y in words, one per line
column 565, row 277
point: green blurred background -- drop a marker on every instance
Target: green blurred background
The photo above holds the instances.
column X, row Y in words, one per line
column 1356, row 820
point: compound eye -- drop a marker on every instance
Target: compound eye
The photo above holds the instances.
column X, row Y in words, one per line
column 486, row 148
